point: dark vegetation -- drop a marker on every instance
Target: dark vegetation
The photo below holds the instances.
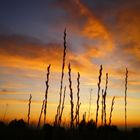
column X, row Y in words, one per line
column 21, row 130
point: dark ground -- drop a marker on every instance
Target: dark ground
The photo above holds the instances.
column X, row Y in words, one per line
column 19, row 130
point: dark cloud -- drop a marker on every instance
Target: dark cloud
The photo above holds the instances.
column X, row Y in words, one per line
column 27, row 47
column 101, row 6
column 4, row 90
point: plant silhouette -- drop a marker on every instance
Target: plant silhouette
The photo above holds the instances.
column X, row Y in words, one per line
column 79, row 129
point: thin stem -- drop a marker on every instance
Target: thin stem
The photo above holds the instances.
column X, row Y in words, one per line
column 61, row 83
column 71, row 96
column 29, row 109
column 105, row 93
column 78, row 101
column 98, row 94
column 89, row 105
column 63, row 102
column 41, row 114
column 102, row 111
column 126, row 77
column 46, row 94
column 110, row 118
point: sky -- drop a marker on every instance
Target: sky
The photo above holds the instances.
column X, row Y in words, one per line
column 99, row 32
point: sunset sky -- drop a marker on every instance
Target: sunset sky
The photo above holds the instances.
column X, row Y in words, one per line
column 99, row 32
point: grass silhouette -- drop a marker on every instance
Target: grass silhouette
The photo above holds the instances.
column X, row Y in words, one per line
column 79, row 129
column 126, row 77
column 63, row 102
column 61, row 83
column 112, row 105
column 98, row 94
column 46, row 94
column 71, row 97
column 29, row 109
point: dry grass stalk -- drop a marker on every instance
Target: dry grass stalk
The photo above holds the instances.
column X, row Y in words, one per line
column 98, row 94
column 89, row 105
column 46, row 94
column 110, row 118
column 78, row 101
column 102, row 111
column 126, row 78
column 84, row 117
column 71, row 97
column 4, row 116
column 61, row 83
column 63, row 102
column 105, row 93
column 77, row 115
column 43, row 103
column 29, row 108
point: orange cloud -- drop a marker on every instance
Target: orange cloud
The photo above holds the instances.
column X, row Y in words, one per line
column 94, row 29
column 126, row 32
column 17, row 52
column 88, row 26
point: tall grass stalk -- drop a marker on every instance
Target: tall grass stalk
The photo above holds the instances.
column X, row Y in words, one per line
column 105, row 93
column 46, row 94
column 29, row 108
column 98, row 94
column 126, row 81
column 4, row 116
column 110, row 118
column 63, row 102
column 89, row 104
column 102, row 110
column 78, row 101
column 61, row 83
column 71, row 97
column 43, row 103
